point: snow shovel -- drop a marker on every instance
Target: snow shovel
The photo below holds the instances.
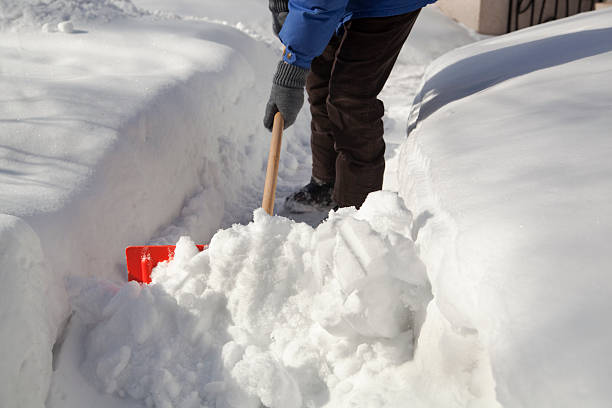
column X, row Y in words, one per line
column 142, row 259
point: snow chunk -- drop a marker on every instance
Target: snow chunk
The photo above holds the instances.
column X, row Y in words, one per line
column 245, row 321
column 259, row 374
column 65, row 27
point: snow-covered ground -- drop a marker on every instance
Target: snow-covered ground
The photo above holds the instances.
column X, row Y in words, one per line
column 143, row 125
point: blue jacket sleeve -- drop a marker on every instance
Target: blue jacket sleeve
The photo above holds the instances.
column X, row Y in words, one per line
column 308, row 28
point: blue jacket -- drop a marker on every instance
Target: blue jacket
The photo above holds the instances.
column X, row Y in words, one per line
column 310, row 24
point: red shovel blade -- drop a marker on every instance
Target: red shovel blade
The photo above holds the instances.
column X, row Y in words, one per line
column 142, row 259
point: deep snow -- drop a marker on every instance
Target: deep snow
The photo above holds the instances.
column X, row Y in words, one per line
column 106, row 141
column 96, row 109
column 141, row 79
column 272, row 311
column 507, row 160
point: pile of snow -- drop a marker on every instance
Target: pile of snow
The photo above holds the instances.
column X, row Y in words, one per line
column 17, row 15
column 273, row 312
column 507, row 169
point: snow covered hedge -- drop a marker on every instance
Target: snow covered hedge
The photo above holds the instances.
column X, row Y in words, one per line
column 508, row 167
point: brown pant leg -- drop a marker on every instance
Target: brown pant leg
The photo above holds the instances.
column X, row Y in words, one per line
column 322, row 137
column 364, row 59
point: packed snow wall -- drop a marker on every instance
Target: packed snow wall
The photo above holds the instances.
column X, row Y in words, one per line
column 111, row 136
column 507, row 170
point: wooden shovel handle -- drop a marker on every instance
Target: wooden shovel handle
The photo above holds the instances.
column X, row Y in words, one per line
column 273, row 158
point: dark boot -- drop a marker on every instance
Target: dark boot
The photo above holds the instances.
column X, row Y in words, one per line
column 314, row 196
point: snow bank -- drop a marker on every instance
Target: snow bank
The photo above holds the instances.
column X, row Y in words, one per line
column 136, row 120
column 20, row 15
column 109, row 137
column 433, row 35
column 273, row 312
column 507, row 169
column 29, row 325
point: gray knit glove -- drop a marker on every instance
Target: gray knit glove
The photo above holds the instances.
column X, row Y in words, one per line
column 279, row 9
column 287, row 95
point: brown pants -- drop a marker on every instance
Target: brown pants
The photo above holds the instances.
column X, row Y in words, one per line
column 343, row 86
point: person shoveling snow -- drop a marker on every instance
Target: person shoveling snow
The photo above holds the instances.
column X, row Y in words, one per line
column 342, row 51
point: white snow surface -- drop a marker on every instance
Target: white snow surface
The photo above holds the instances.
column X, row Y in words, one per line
column 28, row 15
column 138, row 130
column 141, row 123
column 125, row 133
column 29, row 326
column 273, row 312
column 507, row 170
column 251, row 16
